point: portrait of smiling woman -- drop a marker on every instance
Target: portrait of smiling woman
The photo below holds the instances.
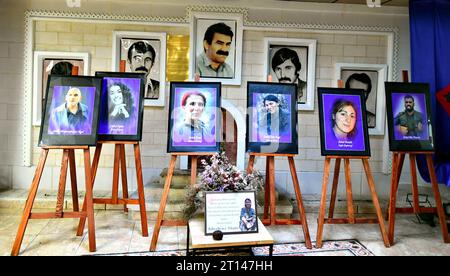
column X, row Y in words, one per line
column 343, row 119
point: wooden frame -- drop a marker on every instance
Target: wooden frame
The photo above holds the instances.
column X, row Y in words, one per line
column 38, row 76
column 295, row 44
column 381, row 70
column 154, row 39
column 68, row 160
column 196, row 44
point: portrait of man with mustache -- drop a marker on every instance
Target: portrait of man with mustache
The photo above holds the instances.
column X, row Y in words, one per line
column 286, row 66
column 141, row 58
column 217, row 43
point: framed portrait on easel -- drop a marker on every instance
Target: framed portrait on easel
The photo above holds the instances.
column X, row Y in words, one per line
column 343, row 123
column 122, row 106
column 409, row 116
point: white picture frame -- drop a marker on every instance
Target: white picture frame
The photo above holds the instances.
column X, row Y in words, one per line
column 157, row 74
column 306, row 50
column 199, row 22
column 375, row 102
column 38, row 75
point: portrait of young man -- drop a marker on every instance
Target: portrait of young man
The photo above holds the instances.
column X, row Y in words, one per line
column 410, row 119
column 289, row 65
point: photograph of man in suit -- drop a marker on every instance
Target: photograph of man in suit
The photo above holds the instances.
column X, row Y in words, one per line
column 286, row 65
column 141, row 58
column 217, row 43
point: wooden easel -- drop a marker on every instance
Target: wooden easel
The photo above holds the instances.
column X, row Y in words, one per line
column 162, row 206
column 397, row 165
column 120, row 165
column 351, row 212
column 270, row 198
column 68, row 160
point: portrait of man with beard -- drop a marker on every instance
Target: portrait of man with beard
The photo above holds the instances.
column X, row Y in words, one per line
column 409, row 122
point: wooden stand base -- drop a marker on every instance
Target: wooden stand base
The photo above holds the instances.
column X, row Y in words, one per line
column 351, row 213
column 120, row 165
column 68, row 158
column 270, row 198
column 162, row 206
column 397, row 165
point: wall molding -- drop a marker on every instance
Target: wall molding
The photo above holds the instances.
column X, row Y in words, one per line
column 392, row 34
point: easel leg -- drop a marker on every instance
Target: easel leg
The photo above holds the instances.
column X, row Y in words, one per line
column 437, row 197
column 29, row 203
column 301, row 207
column 140, row 187
column 393, row 197
column 415, row 188
column 62, row 184
column 323, row 202
column 115, row 187
column 194, row 160
column 266, row 192
column 95, row 162
column 123, row 173
column 348, row 184
column 376, row 203
column 251, row 164
column 337, row 169
column 89, row 200
column 162, row 205
column 271, row 172
column 398, row 169
column 73, row 180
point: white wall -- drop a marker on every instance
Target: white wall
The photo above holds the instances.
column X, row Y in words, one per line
column 11, row 69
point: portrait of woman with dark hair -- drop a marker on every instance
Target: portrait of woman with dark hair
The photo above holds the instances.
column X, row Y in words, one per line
column 120, row 102
column 343, row 118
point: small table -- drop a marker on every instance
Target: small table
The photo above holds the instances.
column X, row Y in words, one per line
column 200, row 242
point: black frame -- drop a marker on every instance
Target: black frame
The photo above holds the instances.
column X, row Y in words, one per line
column 140, row 119
column 66, row 140
column 344, row 92
column 218, row 126
column 253, row 198
column 271, row 87
column 413, row 89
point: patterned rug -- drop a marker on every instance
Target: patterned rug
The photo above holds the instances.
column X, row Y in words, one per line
column 329, row 248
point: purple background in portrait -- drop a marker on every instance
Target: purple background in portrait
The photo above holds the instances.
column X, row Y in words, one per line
column 257, row 106
column 127, row 126
column 59, row 98
column 331, row 142
column 398, row 105
column 208, row 117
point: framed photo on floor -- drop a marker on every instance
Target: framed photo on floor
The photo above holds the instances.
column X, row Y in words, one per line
column 121, row 107
column 272, row 118
column 216, row 47
column 231, row 212
column 343, row 122
column 71, row 111
column 143, row 52
column 409, row 116
column 56, row 63
column 293, row 60
column 194, row 117
column 370, row 78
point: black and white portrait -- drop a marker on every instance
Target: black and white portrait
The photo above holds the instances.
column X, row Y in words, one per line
column 144, row 53
column 370, row 78
column 216, row 49
column 291, row 60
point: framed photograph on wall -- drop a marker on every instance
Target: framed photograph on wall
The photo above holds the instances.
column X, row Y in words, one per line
column 272, row 118
column 56, row 63
column 370, row 78
column 216, row 47
column 71, row 112
column 343, row 122
column 143, row 52
column 409, row 116
column 121, row 107
column 194, row 117
column 231, row 212
column 293, row 60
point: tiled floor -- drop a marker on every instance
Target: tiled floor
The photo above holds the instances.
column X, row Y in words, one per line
column 117, row 233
